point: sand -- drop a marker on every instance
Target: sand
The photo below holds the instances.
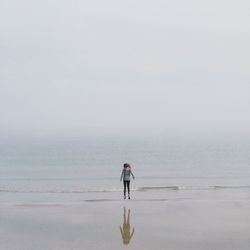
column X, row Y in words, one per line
column 103, row 224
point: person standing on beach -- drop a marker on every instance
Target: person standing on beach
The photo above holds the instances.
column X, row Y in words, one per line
column 125, row 176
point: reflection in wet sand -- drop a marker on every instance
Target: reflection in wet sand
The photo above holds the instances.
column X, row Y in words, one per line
column 125, row 230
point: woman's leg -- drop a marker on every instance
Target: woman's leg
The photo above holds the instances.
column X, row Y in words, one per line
column 124, row 188
column 128, row 185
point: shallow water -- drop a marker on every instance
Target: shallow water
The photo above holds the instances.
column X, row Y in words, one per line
column 159, row 225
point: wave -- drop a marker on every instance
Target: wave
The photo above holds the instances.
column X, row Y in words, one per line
column 138, row 189
column 194, row 187
column 158, row 188
column 60, row 191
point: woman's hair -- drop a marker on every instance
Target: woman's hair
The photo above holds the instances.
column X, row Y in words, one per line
column 126, row 165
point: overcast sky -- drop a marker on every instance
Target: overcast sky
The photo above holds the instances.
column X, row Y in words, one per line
column 124, row 66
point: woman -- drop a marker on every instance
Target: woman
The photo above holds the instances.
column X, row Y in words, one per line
column 126, row 172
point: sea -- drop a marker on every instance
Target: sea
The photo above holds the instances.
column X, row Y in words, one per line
column 80, row 169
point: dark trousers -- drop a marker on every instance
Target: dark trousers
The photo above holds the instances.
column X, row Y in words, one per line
column 126, row 184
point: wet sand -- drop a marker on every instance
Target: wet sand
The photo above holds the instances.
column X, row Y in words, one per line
column 116, row 224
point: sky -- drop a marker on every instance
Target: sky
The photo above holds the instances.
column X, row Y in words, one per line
column 124, row 67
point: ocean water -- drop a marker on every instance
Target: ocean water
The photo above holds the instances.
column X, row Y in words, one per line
column 89, row 169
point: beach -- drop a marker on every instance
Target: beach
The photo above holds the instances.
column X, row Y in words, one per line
column 59, row 195
column 96, row 225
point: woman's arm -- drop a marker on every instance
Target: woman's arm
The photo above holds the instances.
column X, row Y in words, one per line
column 132, row 174
column 122, row 175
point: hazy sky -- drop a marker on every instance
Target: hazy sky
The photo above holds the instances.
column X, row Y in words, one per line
column 124, row 66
